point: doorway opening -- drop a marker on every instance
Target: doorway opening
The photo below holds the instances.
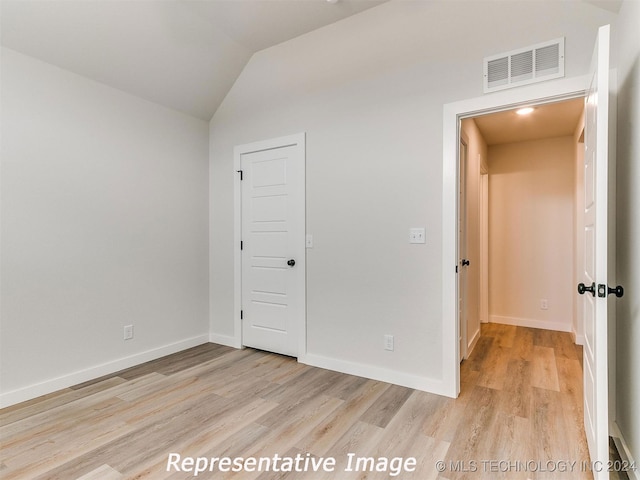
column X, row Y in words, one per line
column 453, row 114
column 519, row 265
column 518, row 243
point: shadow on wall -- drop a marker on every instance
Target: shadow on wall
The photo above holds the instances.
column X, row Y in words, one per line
column 627, row 255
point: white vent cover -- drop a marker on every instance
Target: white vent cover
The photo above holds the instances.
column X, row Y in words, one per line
column 543, row 61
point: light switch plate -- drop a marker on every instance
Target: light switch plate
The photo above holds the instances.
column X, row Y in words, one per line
column 128, row 332
column 417, row 235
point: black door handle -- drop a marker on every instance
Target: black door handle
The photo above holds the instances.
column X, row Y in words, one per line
column 582, row 288
column 619, row 291
column 465, row 262
column 291, row 262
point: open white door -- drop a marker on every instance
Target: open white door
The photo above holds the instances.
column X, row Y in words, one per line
column 593, row 287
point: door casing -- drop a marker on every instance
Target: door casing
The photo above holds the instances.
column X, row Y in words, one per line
column 296, row 139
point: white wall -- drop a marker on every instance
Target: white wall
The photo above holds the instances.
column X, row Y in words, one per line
column 369, row 92
column 626, row 44
column 104, row 224
column 531, row 208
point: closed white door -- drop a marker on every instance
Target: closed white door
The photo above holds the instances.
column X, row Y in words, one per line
column 273, row 247
column 593, row 286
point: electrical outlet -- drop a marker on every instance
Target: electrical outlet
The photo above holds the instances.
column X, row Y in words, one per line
column 388, row 342
column 544, row 304
column 128, row 332
column 417, row 235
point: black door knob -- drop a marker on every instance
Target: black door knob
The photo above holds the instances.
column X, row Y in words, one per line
column 619, row 291
column 465, row 262
column 582, row 288
column 291, row 262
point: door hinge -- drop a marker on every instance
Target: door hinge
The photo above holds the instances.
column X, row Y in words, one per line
column 456, row 268
column 241, row 244
column 241, row 314
column 241, row 174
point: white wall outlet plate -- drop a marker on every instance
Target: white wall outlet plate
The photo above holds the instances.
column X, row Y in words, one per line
column 417, row 235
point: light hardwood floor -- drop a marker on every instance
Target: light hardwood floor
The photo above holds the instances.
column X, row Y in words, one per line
column 521, row 401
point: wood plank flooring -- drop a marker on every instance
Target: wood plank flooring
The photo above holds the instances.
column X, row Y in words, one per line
column 521, row 401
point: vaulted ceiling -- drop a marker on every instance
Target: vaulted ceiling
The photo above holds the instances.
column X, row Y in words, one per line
column 184, row 54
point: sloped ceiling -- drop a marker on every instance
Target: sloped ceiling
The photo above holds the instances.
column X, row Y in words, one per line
column 611, row 5
column 183, row 54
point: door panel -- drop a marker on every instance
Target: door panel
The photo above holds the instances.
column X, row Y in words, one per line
column 271, row 209
column 272, row 235
column 596, row 167
column 271, row 172
column 268, row 248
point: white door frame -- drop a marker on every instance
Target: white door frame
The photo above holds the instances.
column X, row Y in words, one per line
column 296, row 139
column 546, row 92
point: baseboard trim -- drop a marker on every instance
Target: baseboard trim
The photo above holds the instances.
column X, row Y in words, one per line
column 49, row 386
column 623, row 450
column 577, row 339
column 473, row 342
column 228, row 340
column 416, row 382
column 531, row 323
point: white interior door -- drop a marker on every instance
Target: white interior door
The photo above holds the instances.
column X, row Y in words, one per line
column 593, row 286
column 273, row 248
column 462, row 253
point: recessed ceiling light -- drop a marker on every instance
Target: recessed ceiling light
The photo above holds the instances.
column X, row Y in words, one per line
column 332, row 1
column 524, row 111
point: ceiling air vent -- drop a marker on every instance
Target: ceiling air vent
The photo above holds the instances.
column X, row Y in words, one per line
column 526, row 65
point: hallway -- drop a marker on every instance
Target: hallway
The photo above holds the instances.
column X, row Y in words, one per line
column 522, row 394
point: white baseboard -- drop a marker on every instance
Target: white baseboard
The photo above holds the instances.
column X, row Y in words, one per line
column 578, row 339
column 623, row 450
column 430, row 385
column 36, row 390
column 531, row 323
column 227, row 340
column 473, row 342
